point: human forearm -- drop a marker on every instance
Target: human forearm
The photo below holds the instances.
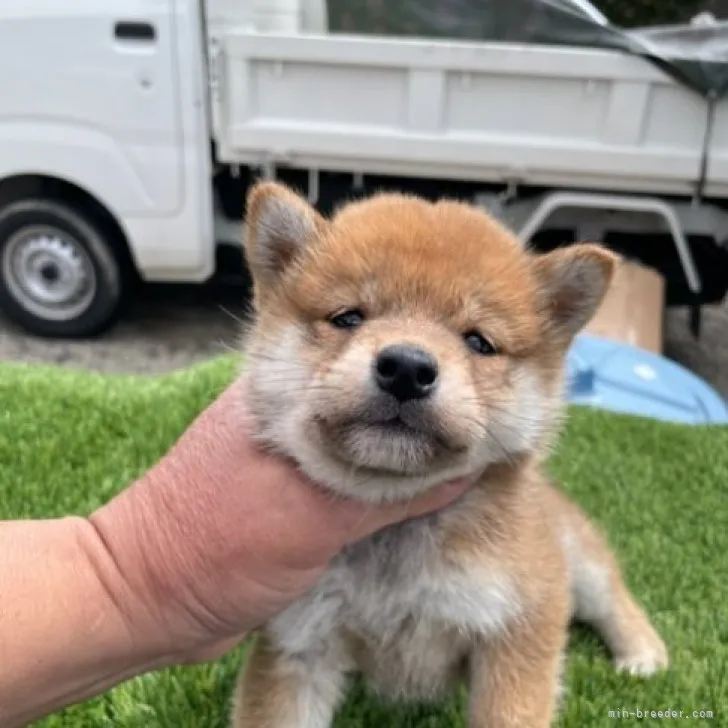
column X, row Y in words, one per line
column 64, row 634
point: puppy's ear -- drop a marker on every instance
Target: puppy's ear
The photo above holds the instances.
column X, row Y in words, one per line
column 279, row 224
column 573, row 281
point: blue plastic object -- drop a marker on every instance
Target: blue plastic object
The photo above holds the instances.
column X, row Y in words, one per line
column 626, row 379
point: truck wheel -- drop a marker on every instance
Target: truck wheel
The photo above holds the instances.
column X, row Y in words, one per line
column 59, row 276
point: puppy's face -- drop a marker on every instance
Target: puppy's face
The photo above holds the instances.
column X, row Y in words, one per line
column 403, row 343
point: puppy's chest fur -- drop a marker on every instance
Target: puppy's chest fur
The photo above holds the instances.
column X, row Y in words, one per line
column 393, row 608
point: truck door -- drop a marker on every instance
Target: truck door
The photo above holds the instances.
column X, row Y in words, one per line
column 132, row 81
column 100, row 74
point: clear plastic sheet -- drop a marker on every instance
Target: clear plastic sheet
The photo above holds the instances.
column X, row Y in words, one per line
column 696, row 55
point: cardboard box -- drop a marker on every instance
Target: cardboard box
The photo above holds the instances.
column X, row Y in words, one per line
column 633, row 309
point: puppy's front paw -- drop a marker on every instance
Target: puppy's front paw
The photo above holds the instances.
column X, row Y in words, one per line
column 644, row 662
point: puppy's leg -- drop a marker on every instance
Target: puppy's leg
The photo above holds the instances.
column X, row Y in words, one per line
column 602, row 600
column 279, row 692
column 515, row 678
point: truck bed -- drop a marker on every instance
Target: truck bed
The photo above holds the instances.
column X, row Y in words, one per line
column 492, row 112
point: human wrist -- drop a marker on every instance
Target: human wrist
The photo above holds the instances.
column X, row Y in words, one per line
column 146, row 540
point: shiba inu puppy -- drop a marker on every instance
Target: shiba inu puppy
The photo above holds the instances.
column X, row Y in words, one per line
column 398, row 345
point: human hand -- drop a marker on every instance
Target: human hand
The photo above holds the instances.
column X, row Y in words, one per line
column 219, row 536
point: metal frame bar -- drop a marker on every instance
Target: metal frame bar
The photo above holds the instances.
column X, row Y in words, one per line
column 556, row 200
column 314, row 186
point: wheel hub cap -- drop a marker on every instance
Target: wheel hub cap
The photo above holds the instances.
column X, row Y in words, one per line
column 49, row 273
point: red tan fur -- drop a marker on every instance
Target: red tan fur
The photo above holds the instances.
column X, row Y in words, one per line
column 485, row 590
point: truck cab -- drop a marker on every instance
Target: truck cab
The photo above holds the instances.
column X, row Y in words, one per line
column 105, row 162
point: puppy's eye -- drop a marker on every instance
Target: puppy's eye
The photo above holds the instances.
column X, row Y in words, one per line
column 479, row 344
column 348, row 319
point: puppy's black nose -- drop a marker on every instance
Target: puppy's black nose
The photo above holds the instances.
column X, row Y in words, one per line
column 406, row 372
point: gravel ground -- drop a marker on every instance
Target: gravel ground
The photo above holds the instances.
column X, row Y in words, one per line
column 167, row 329
column 164, row 329
column 708, row 356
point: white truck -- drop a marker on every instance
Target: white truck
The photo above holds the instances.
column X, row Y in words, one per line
column 130, row 128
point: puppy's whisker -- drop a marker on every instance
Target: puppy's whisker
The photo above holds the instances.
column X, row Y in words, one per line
column 227, row 346
column 233, row 316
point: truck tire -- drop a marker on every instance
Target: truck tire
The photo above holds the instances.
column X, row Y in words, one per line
column 59, row 276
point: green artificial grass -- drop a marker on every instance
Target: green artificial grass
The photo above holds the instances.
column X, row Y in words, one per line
column 69, row 441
